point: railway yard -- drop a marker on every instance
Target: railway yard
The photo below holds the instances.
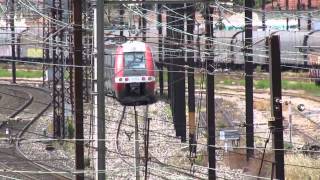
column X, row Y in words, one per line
column 27, row 110
column 195, row 89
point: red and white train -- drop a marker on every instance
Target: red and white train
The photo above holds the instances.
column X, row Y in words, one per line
column 133, row 77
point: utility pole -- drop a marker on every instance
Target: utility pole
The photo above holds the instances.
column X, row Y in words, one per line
column 168, row 55
column 13, row 47
column 99, row 98
column 290, row 120
column 198, row 50
column 46, row 54
column 178, row 76
column 309, row 15
column 298, row 13
column 263, row 7
column 266, row 44
column 275, row 124
column 287, row 8
column 190, row 15
column 220, row 26
column 160, row 53
column 136, row 145
column 144, row 22
column 78, row 87
column 210, row 94
column 121, row 11
column 248, row 77
column 176, row 84
column 146, row 145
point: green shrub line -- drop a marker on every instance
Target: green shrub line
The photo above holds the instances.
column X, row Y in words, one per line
column 293, row 85
column 259, row 84
column 21, row 73
column 286, row 84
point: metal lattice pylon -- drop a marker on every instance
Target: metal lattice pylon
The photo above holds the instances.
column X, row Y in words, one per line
column 46, row 79
column 58, row 73
column 69, row 69
column 88, row 45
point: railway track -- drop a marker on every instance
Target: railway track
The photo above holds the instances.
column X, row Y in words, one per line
column 305, row 135
column 240, row 92
column 226, row 115
column 152, row 160
column 22, row 106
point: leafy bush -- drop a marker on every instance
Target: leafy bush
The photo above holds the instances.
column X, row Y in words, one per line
column 287, row 145
column 70, row 128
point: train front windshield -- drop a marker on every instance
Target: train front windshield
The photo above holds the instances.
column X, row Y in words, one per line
column 135, row 64
column 134, row 60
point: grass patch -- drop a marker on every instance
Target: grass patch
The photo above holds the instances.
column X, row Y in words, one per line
column 307, row 86
column 290, row 85
column 4, row 73
column 240, row 82
column 201, row 159
column 296, row 172
column 287, row 145
column 262, row 84
column 21, row 73
column 167, row 111
column 221, row 125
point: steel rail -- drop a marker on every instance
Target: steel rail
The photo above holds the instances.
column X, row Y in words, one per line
column 25, row 128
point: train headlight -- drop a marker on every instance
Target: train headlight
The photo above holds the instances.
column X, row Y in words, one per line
column 120, row 79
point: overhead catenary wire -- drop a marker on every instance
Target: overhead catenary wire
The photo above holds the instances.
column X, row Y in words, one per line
column 197, row 69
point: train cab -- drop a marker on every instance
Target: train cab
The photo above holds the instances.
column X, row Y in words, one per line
column 134, row 74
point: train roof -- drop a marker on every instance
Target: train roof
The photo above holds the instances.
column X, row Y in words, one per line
column 134, row 46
